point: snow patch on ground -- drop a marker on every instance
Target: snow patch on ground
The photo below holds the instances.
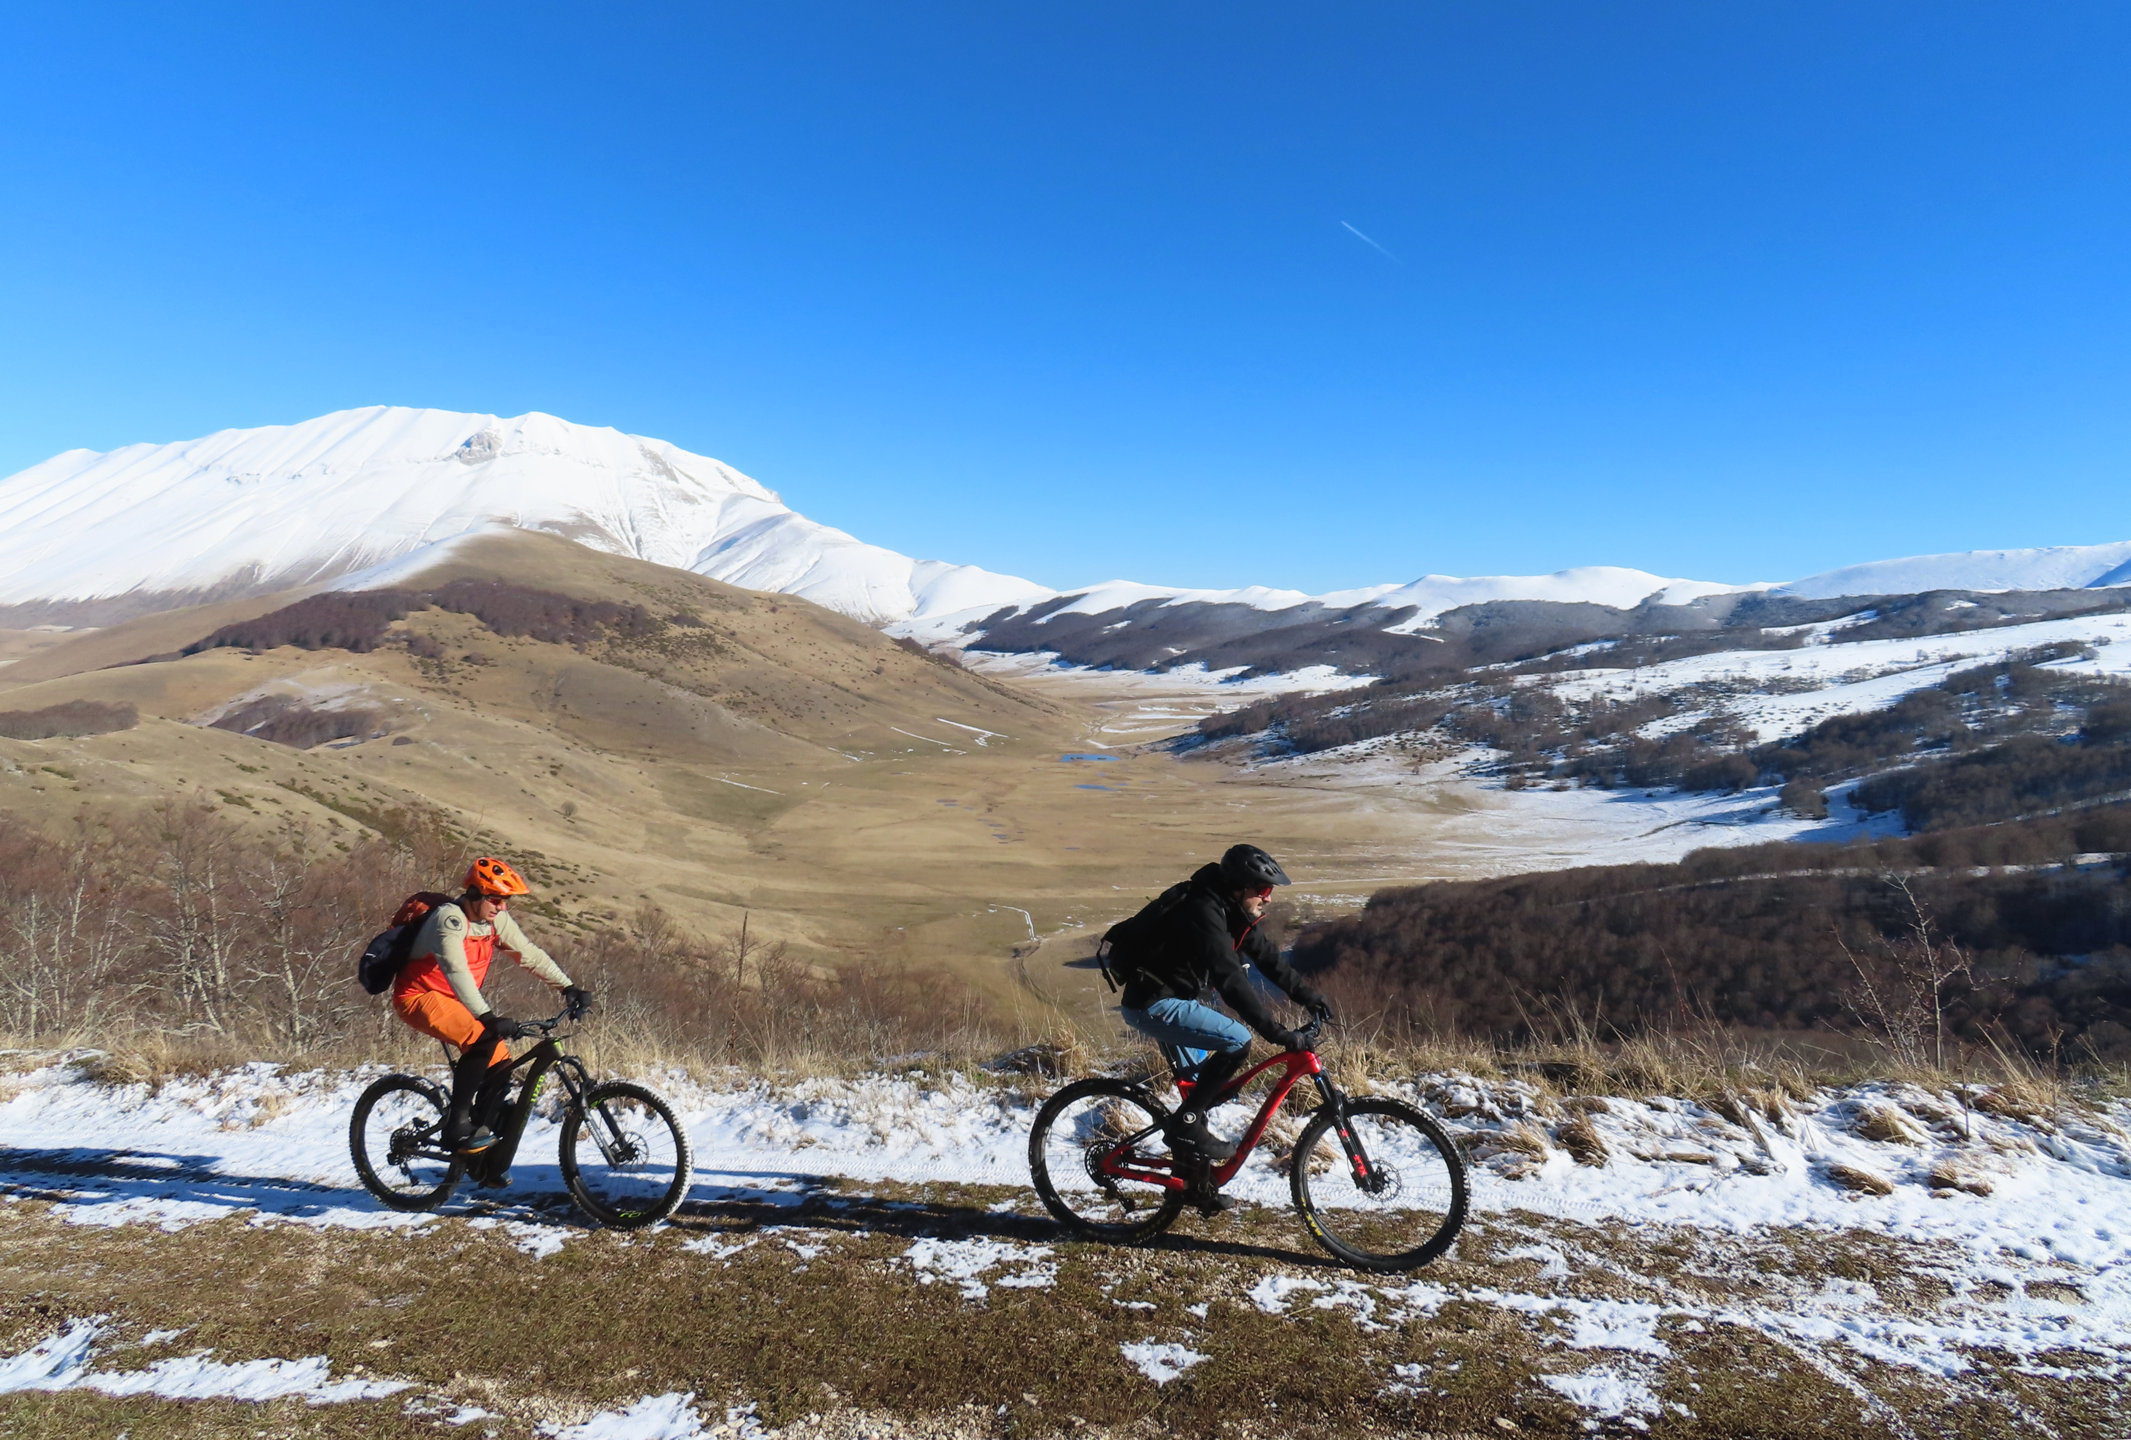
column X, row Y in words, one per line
column 538, row 1241
column 1609, row 1394
column 968, row 1263
column 1161, row 1362
column 1228, row 686
column 655, row 1417
column 1816, row 682
column 1480, row 828
column 64, row 1362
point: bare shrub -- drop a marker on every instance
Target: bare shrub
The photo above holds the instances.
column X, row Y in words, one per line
column 689, row 999
column 337, row 620
column 1907, row 986
column 63, row 943
column 359, row 620
column 177, row 927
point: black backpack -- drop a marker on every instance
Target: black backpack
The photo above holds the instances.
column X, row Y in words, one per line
column 1129, row 944
column 389, row 950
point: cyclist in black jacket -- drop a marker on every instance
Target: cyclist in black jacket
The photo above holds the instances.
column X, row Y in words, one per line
column 1209, row 940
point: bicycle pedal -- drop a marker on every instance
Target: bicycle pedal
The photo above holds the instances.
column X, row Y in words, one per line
column 1213, row 1205
column 493, row 1182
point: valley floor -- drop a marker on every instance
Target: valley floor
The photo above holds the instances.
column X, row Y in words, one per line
column 863, row 1257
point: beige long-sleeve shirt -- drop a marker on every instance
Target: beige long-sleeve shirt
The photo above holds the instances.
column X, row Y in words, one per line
column 444, row 935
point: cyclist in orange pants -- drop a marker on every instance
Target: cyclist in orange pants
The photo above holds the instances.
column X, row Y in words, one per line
column 438, row 992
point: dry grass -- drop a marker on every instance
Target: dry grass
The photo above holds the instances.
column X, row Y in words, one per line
column 1520, row 1146
column 1953, row 1172
column 843, row 1034
column 1855, row 1178
column 1887, row 1124
column 2022, row 1097
column 1583, row 1142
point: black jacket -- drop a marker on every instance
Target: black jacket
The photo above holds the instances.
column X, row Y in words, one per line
column 1207, row 942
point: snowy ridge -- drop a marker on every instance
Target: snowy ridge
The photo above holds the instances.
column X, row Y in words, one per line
column 2049, row 567
column 362, row 496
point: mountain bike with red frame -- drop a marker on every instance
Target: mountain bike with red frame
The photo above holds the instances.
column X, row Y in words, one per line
column 1379, row 1184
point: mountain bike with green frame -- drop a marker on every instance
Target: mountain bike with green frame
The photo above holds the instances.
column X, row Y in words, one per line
column 625, row 1159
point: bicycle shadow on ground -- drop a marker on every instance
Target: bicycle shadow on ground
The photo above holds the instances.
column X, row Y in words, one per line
column 818, row 1202
column 122, row 1184
column 110, row 1185
column 118, row 1185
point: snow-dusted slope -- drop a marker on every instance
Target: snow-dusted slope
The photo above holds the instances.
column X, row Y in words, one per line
column 2049, row 567
column 1609, row 585
column 348, row 493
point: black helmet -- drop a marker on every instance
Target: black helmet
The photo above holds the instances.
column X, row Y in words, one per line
column 1246, row 867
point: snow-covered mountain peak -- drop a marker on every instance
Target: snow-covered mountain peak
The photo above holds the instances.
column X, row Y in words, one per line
column 342, row 495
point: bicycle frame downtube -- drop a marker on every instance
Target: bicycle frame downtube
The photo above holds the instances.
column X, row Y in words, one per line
column 536, row 1063
column 1297, row 1063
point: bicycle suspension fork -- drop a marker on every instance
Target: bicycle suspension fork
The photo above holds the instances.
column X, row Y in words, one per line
column 613, row 1145
column 1357, row 1158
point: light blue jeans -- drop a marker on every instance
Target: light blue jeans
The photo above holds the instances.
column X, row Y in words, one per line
column 1188, row 1032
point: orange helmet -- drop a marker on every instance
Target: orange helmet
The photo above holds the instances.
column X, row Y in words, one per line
column 491, row 876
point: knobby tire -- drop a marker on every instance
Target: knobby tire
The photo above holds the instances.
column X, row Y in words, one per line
column 374, row 1171
column 608, row 1210
column 1073, row 1199
column 1430, row 1167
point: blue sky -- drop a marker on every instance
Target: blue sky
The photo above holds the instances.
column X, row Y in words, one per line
column 1737, row 291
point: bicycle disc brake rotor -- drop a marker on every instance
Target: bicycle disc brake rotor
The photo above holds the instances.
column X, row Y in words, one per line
column 627, row 1148
column 1383, row 1183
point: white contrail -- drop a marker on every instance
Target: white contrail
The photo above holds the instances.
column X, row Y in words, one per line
column 1372, row 244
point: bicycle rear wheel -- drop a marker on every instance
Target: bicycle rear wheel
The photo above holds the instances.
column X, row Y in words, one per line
column 625, row 1157
column 395, row 1137
column 1074, row 1132
column 1401, row 1207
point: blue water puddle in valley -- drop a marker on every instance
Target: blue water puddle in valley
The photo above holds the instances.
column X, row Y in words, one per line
column 1094, row 787
column 1104, row 758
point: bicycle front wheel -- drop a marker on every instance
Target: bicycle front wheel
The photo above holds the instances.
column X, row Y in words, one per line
column 625, row 1157
column 1395, row 1201
column 1077, row 1130
column 396, row 1140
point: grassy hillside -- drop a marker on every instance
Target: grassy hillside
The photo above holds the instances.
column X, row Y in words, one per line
column 645, row 736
